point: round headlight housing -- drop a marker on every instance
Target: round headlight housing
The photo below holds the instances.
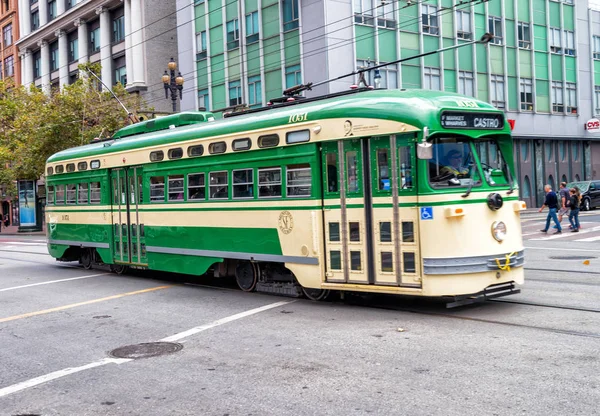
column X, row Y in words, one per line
column 499, row 231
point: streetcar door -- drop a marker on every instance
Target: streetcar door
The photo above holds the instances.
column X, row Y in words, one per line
column 346, row 226
column 394, row 210
column 128, row 231
column 119, row 216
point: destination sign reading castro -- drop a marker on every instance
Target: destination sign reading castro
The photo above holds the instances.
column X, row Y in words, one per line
column 481, row 121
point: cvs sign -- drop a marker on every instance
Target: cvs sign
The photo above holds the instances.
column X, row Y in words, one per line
column 593, row 125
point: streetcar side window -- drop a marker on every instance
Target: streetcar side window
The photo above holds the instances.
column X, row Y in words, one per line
column 195, row 151
column 71, row 194
column 82, row 193
column 60, row 194
column 383, row 170
column 50, row 196
column 405, row 156
column 241, row 144
column 95, row 193
column 71, row 167
column 50, row 171
column 217, row 147
column 219, row 185
column 196, row 187
column 298, row 181
column 82, row 166
column 243, row 183
column 157, row 189
column 175, row 188
column 332, row 173
column 300, row 136
column 60, row 169
column 269, row 140
column 176, row 153
column 157, row 156
column 408, row 232
column 269, row 183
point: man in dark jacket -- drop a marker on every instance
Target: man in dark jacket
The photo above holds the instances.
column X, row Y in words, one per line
column 552, row 203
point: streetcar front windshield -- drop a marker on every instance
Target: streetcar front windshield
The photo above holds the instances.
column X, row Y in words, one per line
column 453, row 164
column 493, row 164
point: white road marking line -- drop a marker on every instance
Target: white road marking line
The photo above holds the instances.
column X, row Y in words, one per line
column 58, row 374
column 68, row 371
column 231, row 318
column 589, row 239
column 52, row 281
column 23, row 243
column 565, row 234
column 561, row 249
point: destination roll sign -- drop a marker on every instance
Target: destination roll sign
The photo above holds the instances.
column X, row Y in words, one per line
column 480, row 121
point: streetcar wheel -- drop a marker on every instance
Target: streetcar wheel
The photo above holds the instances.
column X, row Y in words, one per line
column 86, row 259
column 246, row 276
column 316, row 294
column 118, row 268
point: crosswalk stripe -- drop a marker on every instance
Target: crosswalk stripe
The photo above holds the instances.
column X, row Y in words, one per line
column 566, row 234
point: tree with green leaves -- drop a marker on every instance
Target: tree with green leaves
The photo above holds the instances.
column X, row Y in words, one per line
column 35, row 125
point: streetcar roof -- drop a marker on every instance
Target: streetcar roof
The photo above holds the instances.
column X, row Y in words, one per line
column 418, row 108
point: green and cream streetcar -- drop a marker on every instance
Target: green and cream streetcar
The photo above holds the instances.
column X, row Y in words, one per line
column 391, row 191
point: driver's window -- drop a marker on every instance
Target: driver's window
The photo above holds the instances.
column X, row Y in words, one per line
column 405, row 167
column 453, row 164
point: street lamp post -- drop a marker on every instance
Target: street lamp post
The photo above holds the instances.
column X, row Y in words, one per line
column 173, row 83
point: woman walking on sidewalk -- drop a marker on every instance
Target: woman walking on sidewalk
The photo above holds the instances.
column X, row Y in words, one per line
column 575, row 198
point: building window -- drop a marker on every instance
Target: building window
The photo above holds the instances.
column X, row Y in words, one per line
column 70, row 3
column 524, row 35
column 463, row 24
column 51, row 10
column 203, row 100
column 201, row 45
column 596, row 44
column 465, row 83
column 73, row 46
column 389, row 76
column 120, row 70
column 569, row 43
column 54, row 56
column 1, row 74
column 432, row 78
column 363, row 12
column 233, row 34
column 7, row 35
column 73, row 77
column 497, row 92
column 429, row 19
column 597, row 99
column 94, row 36
column 35, row 20
column 254, row 91
column 252, row 27
column 37, row 64
column 526, row 90
column 495, row 28
column 118, row 28
column 290, row 14
column 571, row 97
column 557, row 97
column 9, row 66
column 235, row 93
column 293, row 76
column 385, row 15
column 555, row 45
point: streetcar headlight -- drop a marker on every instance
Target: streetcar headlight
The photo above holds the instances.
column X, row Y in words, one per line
column 499, row 230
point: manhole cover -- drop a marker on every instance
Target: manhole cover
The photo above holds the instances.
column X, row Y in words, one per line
column 149, row 349
column 572, row 257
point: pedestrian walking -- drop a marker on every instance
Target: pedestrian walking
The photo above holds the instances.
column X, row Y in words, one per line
column 565, row 199
column 575, row 200
column 552, row 203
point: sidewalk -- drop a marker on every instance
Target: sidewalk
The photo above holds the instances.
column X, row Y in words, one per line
column 14, row 230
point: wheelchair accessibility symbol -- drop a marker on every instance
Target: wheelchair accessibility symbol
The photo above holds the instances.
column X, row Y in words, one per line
column 426, row 213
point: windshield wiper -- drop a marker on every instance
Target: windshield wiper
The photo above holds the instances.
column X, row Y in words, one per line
column 466, row 194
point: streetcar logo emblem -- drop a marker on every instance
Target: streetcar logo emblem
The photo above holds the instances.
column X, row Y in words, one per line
column 426, row 213
column 286, row 222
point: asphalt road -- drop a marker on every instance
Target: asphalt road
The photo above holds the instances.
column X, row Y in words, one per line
column 535, row 353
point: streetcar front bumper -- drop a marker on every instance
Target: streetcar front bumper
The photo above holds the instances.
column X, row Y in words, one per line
column 475, row 264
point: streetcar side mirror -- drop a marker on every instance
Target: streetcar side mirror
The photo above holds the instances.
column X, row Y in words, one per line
column 425, row 149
